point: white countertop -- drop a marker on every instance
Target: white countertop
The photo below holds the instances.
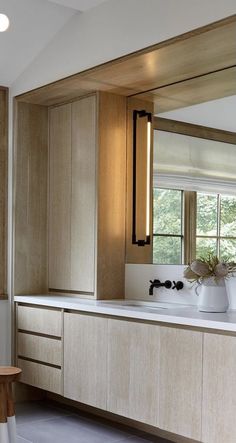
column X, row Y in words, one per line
column 174, row 313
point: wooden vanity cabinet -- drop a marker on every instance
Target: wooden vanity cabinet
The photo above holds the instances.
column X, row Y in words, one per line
column 39, row 347
column 181, row 381
column 219, row 389
column 133, row 370
column 176, row 379
column 85, row 358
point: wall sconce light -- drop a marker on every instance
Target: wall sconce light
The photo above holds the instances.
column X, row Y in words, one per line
column 136, row 116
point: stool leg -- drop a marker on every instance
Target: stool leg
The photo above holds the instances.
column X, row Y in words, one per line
column 11, row 419
column 3, row 414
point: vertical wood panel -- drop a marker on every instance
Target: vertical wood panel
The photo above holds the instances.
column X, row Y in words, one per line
column 181, row 382
column 133, row 370
column 83, row 200
column 60, row 198
column 111, row 196
column 219, row 389
column 3, row 187
column 31, row 199
column 85, row 370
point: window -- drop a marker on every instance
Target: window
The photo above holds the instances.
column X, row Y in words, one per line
column 216, row 226
column 184, row 226
column 168, row 226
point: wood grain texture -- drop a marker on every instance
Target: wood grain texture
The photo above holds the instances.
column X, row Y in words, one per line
column 3, row 188
column 135, row 253
column 195, row 53
column 111, row 174
column 181, row 382
column 60, row 197
column 219, row 389
column 133, row 370
column 164, row 124
column 41, row 376
column 192, row 91
column 31, row 161
column 43, row 349
column 83, row 194
column 39, row 320
column 85, row 357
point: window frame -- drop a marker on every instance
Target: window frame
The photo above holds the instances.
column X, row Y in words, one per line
column 180, row 236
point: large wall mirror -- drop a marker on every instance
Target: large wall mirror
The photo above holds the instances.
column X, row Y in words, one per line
column 194, row 184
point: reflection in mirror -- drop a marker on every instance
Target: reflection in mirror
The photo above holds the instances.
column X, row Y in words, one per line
column 194, row 198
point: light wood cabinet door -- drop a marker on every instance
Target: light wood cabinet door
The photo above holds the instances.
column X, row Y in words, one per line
column 83, row 194
column 181, row 381
column 85, row 359
column 45, row 321
column 133, row 370
column 41, row 376
column 60, row 197
column 42, row 349
column 219, row 389
column 72, row 196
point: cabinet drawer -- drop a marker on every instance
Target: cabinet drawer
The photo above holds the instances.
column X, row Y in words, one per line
column 43, row 321
column 44, row 349
column 41, row 376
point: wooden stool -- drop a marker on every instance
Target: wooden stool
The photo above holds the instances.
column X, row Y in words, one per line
column 8, row 375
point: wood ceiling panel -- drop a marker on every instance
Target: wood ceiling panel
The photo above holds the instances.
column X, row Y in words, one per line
column 200, row 54
column 196, row 53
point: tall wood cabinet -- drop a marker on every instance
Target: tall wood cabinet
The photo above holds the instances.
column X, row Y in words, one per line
column 70, row 197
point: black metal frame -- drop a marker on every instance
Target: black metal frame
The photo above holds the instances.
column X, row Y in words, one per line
column 137, row 114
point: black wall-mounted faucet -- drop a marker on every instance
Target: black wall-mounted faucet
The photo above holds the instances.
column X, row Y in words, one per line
column 157, row 284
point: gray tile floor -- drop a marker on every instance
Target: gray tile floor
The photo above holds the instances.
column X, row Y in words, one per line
column 39, row 422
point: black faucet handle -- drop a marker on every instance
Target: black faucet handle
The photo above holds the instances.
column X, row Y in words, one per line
column 178, row 285
column 155, row 281
column 167, row 284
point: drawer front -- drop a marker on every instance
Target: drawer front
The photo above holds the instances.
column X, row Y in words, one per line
column 41, row 376
column 43, row 321
column 47, row 350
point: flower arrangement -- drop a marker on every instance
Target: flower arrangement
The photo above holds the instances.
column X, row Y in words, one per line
column 210, row 267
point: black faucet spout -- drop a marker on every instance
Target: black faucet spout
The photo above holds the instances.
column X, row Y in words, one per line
column 157, row 284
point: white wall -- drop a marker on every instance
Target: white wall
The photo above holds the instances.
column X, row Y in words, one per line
column 137, row 282
column 113, row 29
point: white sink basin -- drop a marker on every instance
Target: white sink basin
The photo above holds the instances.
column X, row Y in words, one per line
column 146, row 304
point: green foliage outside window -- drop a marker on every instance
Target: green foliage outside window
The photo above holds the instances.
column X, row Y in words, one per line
column 216, row 226
column 167, row 220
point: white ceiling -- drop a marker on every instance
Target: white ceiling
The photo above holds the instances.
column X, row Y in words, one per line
column 219, row 114
column 33, row 24
column 80, row 5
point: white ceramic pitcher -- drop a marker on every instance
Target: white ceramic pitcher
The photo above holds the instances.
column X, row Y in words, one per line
column 212, row 295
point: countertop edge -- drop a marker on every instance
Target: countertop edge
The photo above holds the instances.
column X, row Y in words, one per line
column 96, row 307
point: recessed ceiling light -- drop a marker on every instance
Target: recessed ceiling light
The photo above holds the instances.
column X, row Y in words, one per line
column 4, row 22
